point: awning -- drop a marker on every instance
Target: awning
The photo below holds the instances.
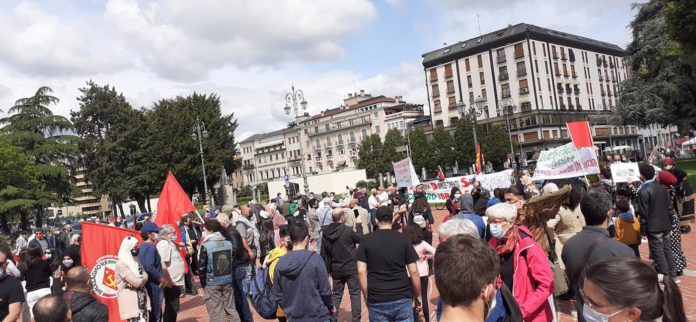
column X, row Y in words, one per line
column 269, row 143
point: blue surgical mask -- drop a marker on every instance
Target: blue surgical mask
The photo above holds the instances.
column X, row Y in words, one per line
column 591, row 315
column 497, row 231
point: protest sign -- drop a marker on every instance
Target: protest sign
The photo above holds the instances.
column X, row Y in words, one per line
column 438, row 191
column 621, row 171
column 405, row 174
column 562, row 162
column 492, row 181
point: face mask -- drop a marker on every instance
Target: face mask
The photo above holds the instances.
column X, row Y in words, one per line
column 591, row 315
column 497, row 231
column 172, row 237
column 156, row 236
column 39, row 236
column 458, row 195
column 68, row 262
column 48, row 256
column 2, row 273
column 135, row 252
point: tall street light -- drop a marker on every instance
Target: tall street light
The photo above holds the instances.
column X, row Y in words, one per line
column 507, row 107
column 471, row 114
column 199, row 133
column 292, row 99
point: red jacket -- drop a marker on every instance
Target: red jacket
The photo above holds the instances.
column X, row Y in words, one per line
column 531, row 267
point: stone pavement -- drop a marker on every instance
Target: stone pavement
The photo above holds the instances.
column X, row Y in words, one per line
column 193, row 307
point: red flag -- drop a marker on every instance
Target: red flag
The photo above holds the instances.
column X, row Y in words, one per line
column 580, row 134
column 100, row 245
column 172, row 205
column 478, row 158
column 440, row 174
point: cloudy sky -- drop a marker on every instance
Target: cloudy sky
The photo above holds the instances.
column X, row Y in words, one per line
column 250, row 52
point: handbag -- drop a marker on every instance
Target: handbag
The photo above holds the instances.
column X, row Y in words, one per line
column 560, row 279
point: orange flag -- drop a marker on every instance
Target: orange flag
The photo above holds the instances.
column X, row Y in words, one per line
column 478, row 158
column 580, row 134
column 100, row 245
column 172, row 205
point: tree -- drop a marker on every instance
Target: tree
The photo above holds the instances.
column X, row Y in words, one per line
column 464, row 150
column 169, row 138
column 19, row 193
column 495, row 145
column 442, row 148
column 421, row 155
column 393, row 140
column 662, row 87
column 681, row 23
column 43, row 136
column 371, row 157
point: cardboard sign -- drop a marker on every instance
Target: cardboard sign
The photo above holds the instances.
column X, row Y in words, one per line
column 565, row 162
column 621, row 171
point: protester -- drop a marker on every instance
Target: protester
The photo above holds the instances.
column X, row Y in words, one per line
column 452, row 203
column 215, row 267
column 653, row 208
column 251, row 235
column 20, row 244
column 190, row 235
column 456, row 227
column 466, row 211
column 359, row 214
column 283, row 247
column 425, row 252
column 131, row 278
column 685, row 193
column 524, row 266
column 55, row 242
column 627, row 227
column 669, row 181
column 338, row 251
column 374, row 203
column 83, row 306
column 11, row 293
column 266, row 236
column 51, row 308
column 569, row 220
column 57, row 269
column 400, row 206
column 152, row 263
column 300, row 282
column 592, row 244
column 66, row 235
column 240, row 264
column 627, row 289
column 173, row 266
column 278, row 220
column 466, row 270
column 383, row 259
column 74, row 250
column 39, row 239
column 421, row 216
column 37, row 273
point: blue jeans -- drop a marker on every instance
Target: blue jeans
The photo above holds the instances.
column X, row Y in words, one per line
column 156, row 297
column 395, row 311
column 241, row 291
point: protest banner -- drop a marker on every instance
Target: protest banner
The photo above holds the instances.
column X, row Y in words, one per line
column 405, row 174
column 621, row 171
column 100, row 246
column 492, row 181
column 565, row 162
column 438, row 191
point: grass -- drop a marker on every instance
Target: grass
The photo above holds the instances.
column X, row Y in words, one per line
column 688, row 165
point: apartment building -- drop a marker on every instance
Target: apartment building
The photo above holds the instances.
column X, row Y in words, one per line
column 330, row 138
column 86, row 203
column 552, row 78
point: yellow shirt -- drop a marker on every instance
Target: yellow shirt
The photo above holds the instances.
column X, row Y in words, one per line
column 272, row 261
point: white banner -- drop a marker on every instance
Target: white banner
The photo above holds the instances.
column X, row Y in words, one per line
column 562, row 162
column 405, row 174
column 621, row 171
column 492, row 181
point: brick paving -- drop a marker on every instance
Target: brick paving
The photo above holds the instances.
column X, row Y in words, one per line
column 193, row 307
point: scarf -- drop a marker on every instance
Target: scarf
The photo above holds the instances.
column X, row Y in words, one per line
column 510, row 240
column 125, row 256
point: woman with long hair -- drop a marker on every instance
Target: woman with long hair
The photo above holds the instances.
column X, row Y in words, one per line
column 425, row 252
column 37, row 272
column 669, row 181
column 267, row 236
column 627, row 289
column 133, row 302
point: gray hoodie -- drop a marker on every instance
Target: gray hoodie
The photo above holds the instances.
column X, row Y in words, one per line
column 301, row 286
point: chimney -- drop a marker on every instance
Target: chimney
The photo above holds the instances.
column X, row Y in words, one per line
column 362, row 92
column 350, row 95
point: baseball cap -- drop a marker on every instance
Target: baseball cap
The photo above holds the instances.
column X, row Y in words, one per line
column 385, row 214
column 149, row 227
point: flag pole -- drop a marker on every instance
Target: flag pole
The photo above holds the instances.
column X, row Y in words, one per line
column 577, row 155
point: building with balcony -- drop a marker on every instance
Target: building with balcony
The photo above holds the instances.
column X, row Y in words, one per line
column 553, row 78
column 266, row 157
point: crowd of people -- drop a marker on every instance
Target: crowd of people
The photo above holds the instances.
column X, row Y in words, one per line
column 502, row 255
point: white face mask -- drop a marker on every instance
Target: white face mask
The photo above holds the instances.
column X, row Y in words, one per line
column 172, row 237
column 457, row 195
column 591, row 315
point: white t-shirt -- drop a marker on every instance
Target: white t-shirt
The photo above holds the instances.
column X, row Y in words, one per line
column 372, row 201
column 169, row 253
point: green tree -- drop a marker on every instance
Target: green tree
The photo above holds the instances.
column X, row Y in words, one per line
column 18, row 185
column 171, row 122
column 421, row 155
column 681, row 23
column 393, row 140
column 495, row 145
column 40, row 134
column 662, row 87
column 442, row 148
column 464, row 150
column 370, row 156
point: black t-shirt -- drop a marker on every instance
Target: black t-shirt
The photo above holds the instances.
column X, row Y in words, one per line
column 507, row 269
column 387, row 252
column 10, row 292
column 38, row 276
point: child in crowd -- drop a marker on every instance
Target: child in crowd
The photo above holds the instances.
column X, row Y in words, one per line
column 627, row 226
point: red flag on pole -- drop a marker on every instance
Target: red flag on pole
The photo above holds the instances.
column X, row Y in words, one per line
column 478, row 158
column 440, row 174
column 172, row 205
column 580, row 134
column 100, row 245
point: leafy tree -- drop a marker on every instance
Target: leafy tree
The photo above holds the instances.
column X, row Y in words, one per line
column 171, row 122
column 681, row 23
column 393, row 140
column 442, row 148
column 43, row 136
column 421, row 155
column 371, row 157
column 495, row 145
column 464, row 150
column 18, row 182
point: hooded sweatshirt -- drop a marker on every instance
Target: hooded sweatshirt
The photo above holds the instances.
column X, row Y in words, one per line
column 301, row 287
column 338, row 249
column 466, row 211
column 272, row 260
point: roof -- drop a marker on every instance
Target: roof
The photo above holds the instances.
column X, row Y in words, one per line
column 337, row 110
column 268, row 134
column 513, row 34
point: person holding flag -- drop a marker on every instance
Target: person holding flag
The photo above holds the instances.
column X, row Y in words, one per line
column 131, row 278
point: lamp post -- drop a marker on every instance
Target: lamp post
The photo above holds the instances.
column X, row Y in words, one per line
column 199, row 133
column 508, row 107
column 292, row 99
column 471, row 114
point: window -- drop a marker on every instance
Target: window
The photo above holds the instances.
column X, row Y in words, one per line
column 450, row 86
column 548, row 83
column 572, row 71
column 471, row 98
column 317, row 143
column 448, row 70
column 468, row 81
column 546, row 66
column 436, row 107
column 553, row 52
column 483, row 93
column 452, row 101
column 565, row 70
column 555, row 69
column 466, row 63
column 505, row 90
column 524, row 88
column 328, row 141
column 543, row 49
column 502, row 73
column 501, row 55
column 436, row 90
column 536, row 66
column 534, row 48
column 454, row 120
column 340, row 139
column 521, row 69
column 377, row 129
column 563, row 57
column 526, row 106
column 480, row 61
column 433, row 74
column 519, row 51
column 338, row 125
column 439, row 123
column 577, row 103
column 364, row 131
column 352, row 137
column 571, row 55
column 483, row 79
column 326, row 126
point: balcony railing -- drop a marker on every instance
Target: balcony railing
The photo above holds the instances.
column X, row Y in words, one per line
column 524, row 90
column 248, row 167
column 503, row 77
column 506, row 93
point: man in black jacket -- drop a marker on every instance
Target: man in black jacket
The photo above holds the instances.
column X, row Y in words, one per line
column 84, row 307
column 653, row 207
column 338, row 251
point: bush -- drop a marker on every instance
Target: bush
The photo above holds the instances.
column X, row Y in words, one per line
column 369, row 184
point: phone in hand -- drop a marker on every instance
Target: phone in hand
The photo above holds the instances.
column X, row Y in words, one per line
column 355, row 212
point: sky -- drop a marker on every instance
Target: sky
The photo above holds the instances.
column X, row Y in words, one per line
column 250, row 53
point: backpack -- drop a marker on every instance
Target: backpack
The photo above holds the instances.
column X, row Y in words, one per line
column 260, row 293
